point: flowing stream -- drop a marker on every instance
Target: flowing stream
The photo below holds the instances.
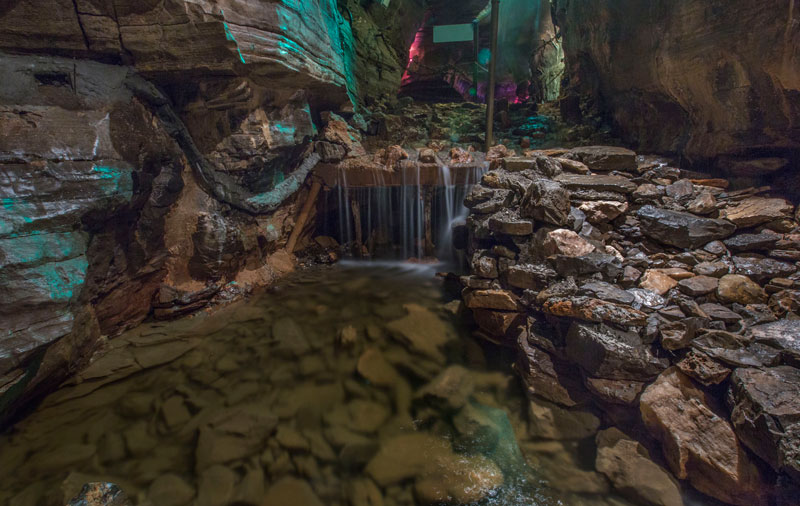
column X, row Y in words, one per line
column 346, row 385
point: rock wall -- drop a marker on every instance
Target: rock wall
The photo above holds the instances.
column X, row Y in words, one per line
column 693, row 77
column 151, row 158
column 655, row 296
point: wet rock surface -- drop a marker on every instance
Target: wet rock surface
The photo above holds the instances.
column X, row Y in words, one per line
column 664, row 298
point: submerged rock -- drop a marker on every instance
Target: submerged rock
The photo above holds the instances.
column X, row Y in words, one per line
column 290, row 490
column 440, row 475
column 423, row 331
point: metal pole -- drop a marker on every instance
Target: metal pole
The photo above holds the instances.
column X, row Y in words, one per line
column 492, row 76
column 475, row 65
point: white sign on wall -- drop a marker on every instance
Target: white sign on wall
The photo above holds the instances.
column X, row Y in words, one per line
column 453, row 33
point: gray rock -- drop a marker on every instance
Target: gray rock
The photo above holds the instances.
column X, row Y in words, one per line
column 698, row 285
column 683, row 230
column 766, row 415
column 546, row 201
column 783, row 335
column 752, row 242
column 726, row 347
column 606, row 291
column 608, row 353
column 762, row 270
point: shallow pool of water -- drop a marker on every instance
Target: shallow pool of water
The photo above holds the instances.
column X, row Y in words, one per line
column 346, row 385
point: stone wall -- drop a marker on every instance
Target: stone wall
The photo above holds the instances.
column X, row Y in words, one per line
column 687, row 76
column 655, row 296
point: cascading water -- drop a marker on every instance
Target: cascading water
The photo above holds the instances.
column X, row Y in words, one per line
column 412, row 220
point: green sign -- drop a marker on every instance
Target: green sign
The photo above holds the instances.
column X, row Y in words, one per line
column 453, row 33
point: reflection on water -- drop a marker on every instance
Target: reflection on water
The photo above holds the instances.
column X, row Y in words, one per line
column 344, row 385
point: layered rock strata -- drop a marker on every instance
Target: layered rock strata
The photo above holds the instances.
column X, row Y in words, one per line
column 654, row 295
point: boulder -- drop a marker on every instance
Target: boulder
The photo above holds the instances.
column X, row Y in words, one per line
column 603, row 211
column 705, row 203
column 754, row 211
column 713, row 269
column 625, row 392
column 502, row 300
column 727, row 348
column 508, row 222
column 605, row 158
column 423, row 331
column 783, row 335
column 680, row 189
column 766, row 415
column 547, row 201
column 499, row 324
column 627, row 464
column 606, row 291
column 698, row 285
column 170, row 490
column 439, row 473
column 762, row 270
column 290, row 490
column 703, row 368
column 449, row 390
column 550, row 421
column 752, row 242
column 594, row 310
column 698, row 442
column 604, row 352
column 683, row 230
column 608, row 265
column 546, row 377
column 565, row 242
column 530, row 276
column 657, row 282
column 597, row 183
column 720, row 312
column 740, row 289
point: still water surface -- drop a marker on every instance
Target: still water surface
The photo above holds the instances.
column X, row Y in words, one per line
column 346, row 385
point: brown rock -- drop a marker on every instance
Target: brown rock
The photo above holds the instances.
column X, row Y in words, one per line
column 603, row 211
column 698, row 285
column 594, row 310
column 492, row 299
column 657, row 282
column 757, row 210
column 740, row 289
column 703, row 368
column 546, row 377
column 633, row 473
column 605, row 158
column 499, row 323
column 566, row 242
column 705, row 203
column 698, row 442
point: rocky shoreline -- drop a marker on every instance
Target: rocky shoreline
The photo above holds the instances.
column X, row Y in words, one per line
column 651, row 300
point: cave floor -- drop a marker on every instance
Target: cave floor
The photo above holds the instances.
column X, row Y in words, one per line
column 351, row 384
